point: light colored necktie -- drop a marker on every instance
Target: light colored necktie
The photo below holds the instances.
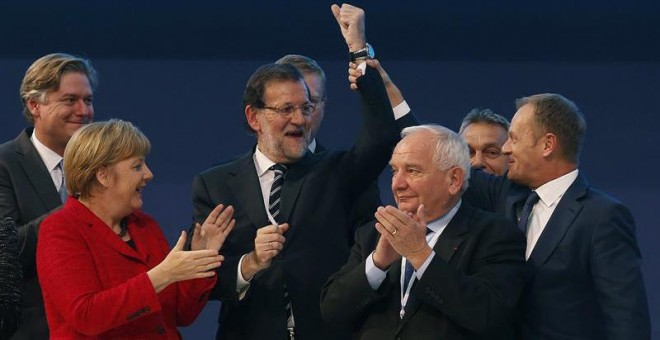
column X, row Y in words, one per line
column 62, row 189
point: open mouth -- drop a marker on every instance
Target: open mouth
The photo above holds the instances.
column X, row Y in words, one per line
column 294, row 134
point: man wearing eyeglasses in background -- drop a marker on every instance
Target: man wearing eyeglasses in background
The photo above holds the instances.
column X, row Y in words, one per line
column 485, row 132
column 292, row 208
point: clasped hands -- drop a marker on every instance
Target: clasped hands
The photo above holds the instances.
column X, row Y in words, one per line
column 401, row 234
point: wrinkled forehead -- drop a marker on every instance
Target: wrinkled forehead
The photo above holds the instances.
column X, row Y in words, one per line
column 285, row 90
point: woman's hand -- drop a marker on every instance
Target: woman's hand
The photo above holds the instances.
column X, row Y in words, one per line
column 212, row 234
column 180, row 265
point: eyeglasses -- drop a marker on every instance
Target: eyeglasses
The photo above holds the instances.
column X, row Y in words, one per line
column 288, row 110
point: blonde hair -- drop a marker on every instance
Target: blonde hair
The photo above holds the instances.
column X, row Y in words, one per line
column 44, row 76
column 98, row 145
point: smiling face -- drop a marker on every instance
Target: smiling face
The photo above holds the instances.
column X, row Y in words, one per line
column 283, row 139
column 63, row 111
column 525, row 149
column 124, row 182
column 417, row 179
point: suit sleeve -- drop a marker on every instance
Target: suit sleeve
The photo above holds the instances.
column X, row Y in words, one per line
column 68, row 278
column 347, row 295
column 27, row 231
column 192, row 296
column 616, row 272
column 379, row 132
column 484, row 296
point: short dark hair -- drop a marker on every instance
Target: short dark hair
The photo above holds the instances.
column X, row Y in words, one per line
column 478, row 115
column 303, row 64
column 256, row 85
column 45, row 73
column 556, row 114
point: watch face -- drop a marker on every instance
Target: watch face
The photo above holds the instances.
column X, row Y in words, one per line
column 367, row 52
column 370, row 51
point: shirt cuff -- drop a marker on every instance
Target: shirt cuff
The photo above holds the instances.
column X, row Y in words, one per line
column 375, row 276
column 362, row 66
column 242, row 284
column 425, row 265
column 401, row 110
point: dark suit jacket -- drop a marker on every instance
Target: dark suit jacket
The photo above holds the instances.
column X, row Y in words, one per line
column 317, row 198
column 364, row 207
column 27, row 195
column 468, row 291
column 587, row 281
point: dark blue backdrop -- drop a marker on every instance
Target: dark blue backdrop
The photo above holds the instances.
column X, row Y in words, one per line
column 178, row 73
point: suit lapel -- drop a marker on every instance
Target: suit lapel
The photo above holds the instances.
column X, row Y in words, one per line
column 244, row 184
column 447, row 245
column 36, row 171
column 514, row 202
column 561, row 220
column 293, row 182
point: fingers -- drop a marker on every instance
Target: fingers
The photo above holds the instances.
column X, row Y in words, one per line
column 384, row 233
column 213, row 216
column 420, row 216
column 336, row 11
column 181, row 241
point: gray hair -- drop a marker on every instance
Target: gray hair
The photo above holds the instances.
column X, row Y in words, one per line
column 450, row 149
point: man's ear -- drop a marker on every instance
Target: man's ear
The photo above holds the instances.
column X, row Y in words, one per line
column 251, row 117
column 34, row 106
column 550, row 144
column 456, row 177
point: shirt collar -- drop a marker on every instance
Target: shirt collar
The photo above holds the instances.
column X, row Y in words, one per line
column 440, row 223
column 261, row 161
column 552, row 191
column 50, row 158
column 312, row 145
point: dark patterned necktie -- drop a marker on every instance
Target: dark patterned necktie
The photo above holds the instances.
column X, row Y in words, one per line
column 527, row 210
column 274, row 202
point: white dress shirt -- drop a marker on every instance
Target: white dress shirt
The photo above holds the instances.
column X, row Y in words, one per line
column 550, row 194
column 50, row 158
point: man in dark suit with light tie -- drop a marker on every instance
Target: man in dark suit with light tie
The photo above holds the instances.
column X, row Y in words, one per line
column 292, row 208
column 587, row 281
column 57, row 100
column 433, row 268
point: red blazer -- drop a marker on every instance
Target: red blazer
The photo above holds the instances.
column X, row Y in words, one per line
column 96, row 286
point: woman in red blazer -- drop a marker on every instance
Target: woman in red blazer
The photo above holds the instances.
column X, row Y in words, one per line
column 104, row 266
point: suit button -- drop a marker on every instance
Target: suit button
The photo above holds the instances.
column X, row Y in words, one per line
column 160, row 329
column 441, row 301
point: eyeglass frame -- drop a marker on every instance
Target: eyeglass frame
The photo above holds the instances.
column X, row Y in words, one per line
column 281, row 111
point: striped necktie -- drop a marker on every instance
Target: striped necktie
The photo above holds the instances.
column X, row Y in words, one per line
column 274, row 202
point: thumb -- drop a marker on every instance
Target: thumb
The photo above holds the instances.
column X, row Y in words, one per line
column 420, row 217
column 335, row 11
column 181, row 241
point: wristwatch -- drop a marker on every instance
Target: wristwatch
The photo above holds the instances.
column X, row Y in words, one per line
column 366, row 52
